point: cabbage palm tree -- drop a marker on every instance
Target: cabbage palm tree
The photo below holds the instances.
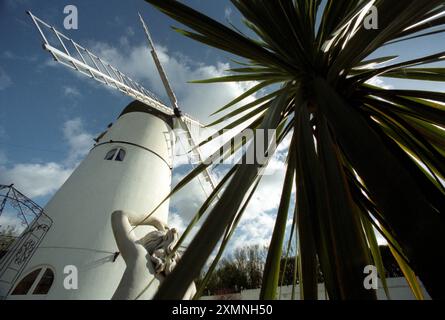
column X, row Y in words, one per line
column 362, row 157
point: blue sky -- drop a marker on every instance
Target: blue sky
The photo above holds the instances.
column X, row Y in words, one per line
column 36, row 99
column 49, row 114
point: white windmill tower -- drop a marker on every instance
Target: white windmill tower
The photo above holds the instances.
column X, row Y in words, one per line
column 128, row 169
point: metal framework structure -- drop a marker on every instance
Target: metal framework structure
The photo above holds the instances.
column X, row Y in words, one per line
column 18, row 249
column 26, row 209
column 71, row 54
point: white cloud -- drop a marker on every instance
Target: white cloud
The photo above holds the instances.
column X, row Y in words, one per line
column 256, row 225
column 71, row 91
column 176, row 221
column 198, row 100
column 43, row 179
column 379, row 82
column 129, row 31
column 35, row 180
column 79, row 141
column 186, row 202
column 10, row 219
column 5, row 80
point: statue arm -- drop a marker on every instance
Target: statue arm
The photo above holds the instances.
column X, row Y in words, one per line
column 123, row 222
column 123, row 234
column 136, row 219
column 153, row 221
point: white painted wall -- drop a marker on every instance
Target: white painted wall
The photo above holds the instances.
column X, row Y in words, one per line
column 81, row 233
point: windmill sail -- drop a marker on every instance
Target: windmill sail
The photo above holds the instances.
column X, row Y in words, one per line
column 162, row 74
column 71, row 54
column 186, row 125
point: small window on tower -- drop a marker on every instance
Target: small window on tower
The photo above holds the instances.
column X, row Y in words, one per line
column 120, row 155
column 110, row 154
column 26, row 283
column 45, row 282
column 37, row 282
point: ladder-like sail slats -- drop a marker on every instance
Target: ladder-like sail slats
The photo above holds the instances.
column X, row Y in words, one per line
column 194, row 155
column 71, row 54
column 186, row 122
column 87, row 63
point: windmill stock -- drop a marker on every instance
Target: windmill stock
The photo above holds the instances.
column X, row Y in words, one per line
column 124, row 177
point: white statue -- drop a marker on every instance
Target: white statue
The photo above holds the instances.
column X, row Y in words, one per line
column 150, row 257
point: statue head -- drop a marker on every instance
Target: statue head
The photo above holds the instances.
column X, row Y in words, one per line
column 160, row 247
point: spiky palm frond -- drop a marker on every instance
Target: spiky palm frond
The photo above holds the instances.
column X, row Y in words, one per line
column 378, row 157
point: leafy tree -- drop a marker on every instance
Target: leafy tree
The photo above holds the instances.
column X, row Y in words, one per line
column 244, row 270
column 7, row 237
column 360, row 156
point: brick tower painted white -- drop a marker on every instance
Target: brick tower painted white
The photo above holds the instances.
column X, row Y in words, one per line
column 81, row 233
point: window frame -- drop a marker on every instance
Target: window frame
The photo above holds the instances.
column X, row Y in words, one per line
column 41, row 279
column 35, row 278
column 42, row 270
column 120, row 152
column 114, row 151
column 117, row 152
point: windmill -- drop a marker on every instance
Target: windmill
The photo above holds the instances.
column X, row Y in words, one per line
column 128, row 168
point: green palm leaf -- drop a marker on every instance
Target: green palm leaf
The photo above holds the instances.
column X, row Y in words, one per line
column 360, row 154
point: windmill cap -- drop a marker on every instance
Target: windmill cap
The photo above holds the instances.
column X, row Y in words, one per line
column 137, row 106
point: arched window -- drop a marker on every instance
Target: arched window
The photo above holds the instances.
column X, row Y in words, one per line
column 26, row 283
column 110, row 154
column 45, row 282
column 116, row 154
column 120, row 155
column 37, row 282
